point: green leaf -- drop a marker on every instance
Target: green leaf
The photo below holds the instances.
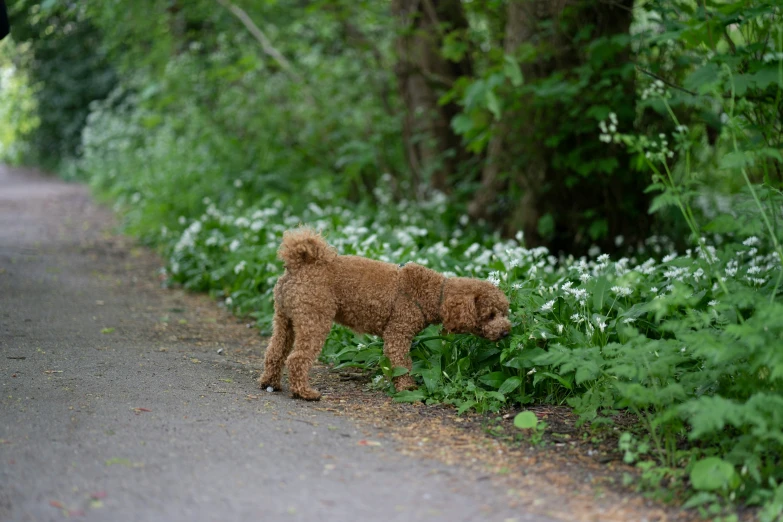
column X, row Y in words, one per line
column 666, row 199
column 600, row 293
column 736, row 160
column 465, row 406
column 541, row 375
column 699, row 499
column 703, row 79
column 399, row 370
column 493, row 104
column 510, row 384
column 512, row 71
column 494, row 379
column 525, row 420
column 409, row 396
column 462, row 123
column 713, row 473
column 587, row 371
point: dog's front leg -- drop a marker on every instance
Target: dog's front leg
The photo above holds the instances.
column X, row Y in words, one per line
column 396, row 346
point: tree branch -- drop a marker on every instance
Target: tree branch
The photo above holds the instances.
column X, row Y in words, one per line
column 258, row 34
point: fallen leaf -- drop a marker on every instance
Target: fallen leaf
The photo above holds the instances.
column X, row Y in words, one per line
column 53, row 371
column 56, row 504
column 364, row 442
column 252, row 397
column 195, row 361
column 107, row 330
column 139, row 410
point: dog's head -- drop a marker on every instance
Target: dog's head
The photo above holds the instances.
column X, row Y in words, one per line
column 476, row 307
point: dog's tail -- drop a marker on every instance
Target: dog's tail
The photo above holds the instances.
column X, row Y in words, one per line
column 304, row 246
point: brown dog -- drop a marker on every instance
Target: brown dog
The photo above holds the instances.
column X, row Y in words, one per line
column 320, row 287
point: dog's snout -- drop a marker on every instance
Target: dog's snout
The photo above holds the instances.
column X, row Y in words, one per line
column 504, row 334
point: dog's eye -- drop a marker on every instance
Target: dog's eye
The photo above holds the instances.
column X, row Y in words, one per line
column 491, row 316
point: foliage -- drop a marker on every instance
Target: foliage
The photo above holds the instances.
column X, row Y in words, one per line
column 17, row 105
column 211, row 145
column 67, row 70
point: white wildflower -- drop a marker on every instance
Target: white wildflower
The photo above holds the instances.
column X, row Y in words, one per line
column 622, row 291
column 600, row 323
column 548, row 306
column 559, row 329
column 240, row 267
column 235, row 244
column 752, row 240
column 670, row 257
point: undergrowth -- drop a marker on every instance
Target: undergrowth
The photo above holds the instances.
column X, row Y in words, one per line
column 689, row 338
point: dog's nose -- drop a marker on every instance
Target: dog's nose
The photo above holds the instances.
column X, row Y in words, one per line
column 503, row 335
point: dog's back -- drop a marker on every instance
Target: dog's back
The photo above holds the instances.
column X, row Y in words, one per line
column 360, row 290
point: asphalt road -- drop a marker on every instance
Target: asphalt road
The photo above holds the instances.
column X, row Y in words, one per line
column 101, row 424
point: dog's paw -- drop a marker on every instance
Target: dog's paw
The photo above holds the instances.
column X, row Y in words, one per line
column 307, row 395
column 268, row 385
column 404, row 382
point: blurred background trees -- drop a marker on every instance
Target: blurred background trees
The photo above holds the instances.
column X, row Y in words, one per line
column 494, row 104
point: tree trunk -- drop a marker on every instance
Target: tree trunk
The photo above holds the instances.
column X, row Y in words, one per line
column 433, row 150
column 527, row 175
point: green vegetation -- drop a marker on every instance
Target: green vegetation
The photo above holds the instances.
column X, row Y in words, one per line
column 615, row 167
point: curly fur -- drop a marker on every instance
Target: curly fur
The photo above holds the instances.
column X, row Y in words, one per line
column 320, row 287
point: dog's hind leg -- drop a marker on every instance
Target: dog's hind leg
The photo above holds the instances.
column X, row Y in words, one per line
column 311, row 331
column 279, row 347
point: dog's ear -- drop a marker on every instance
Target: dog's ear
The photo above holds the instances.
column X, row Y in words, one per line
column 459, row 313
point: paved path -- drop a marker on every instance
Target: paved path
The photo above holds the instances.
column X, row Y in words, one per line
column 71, row 442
